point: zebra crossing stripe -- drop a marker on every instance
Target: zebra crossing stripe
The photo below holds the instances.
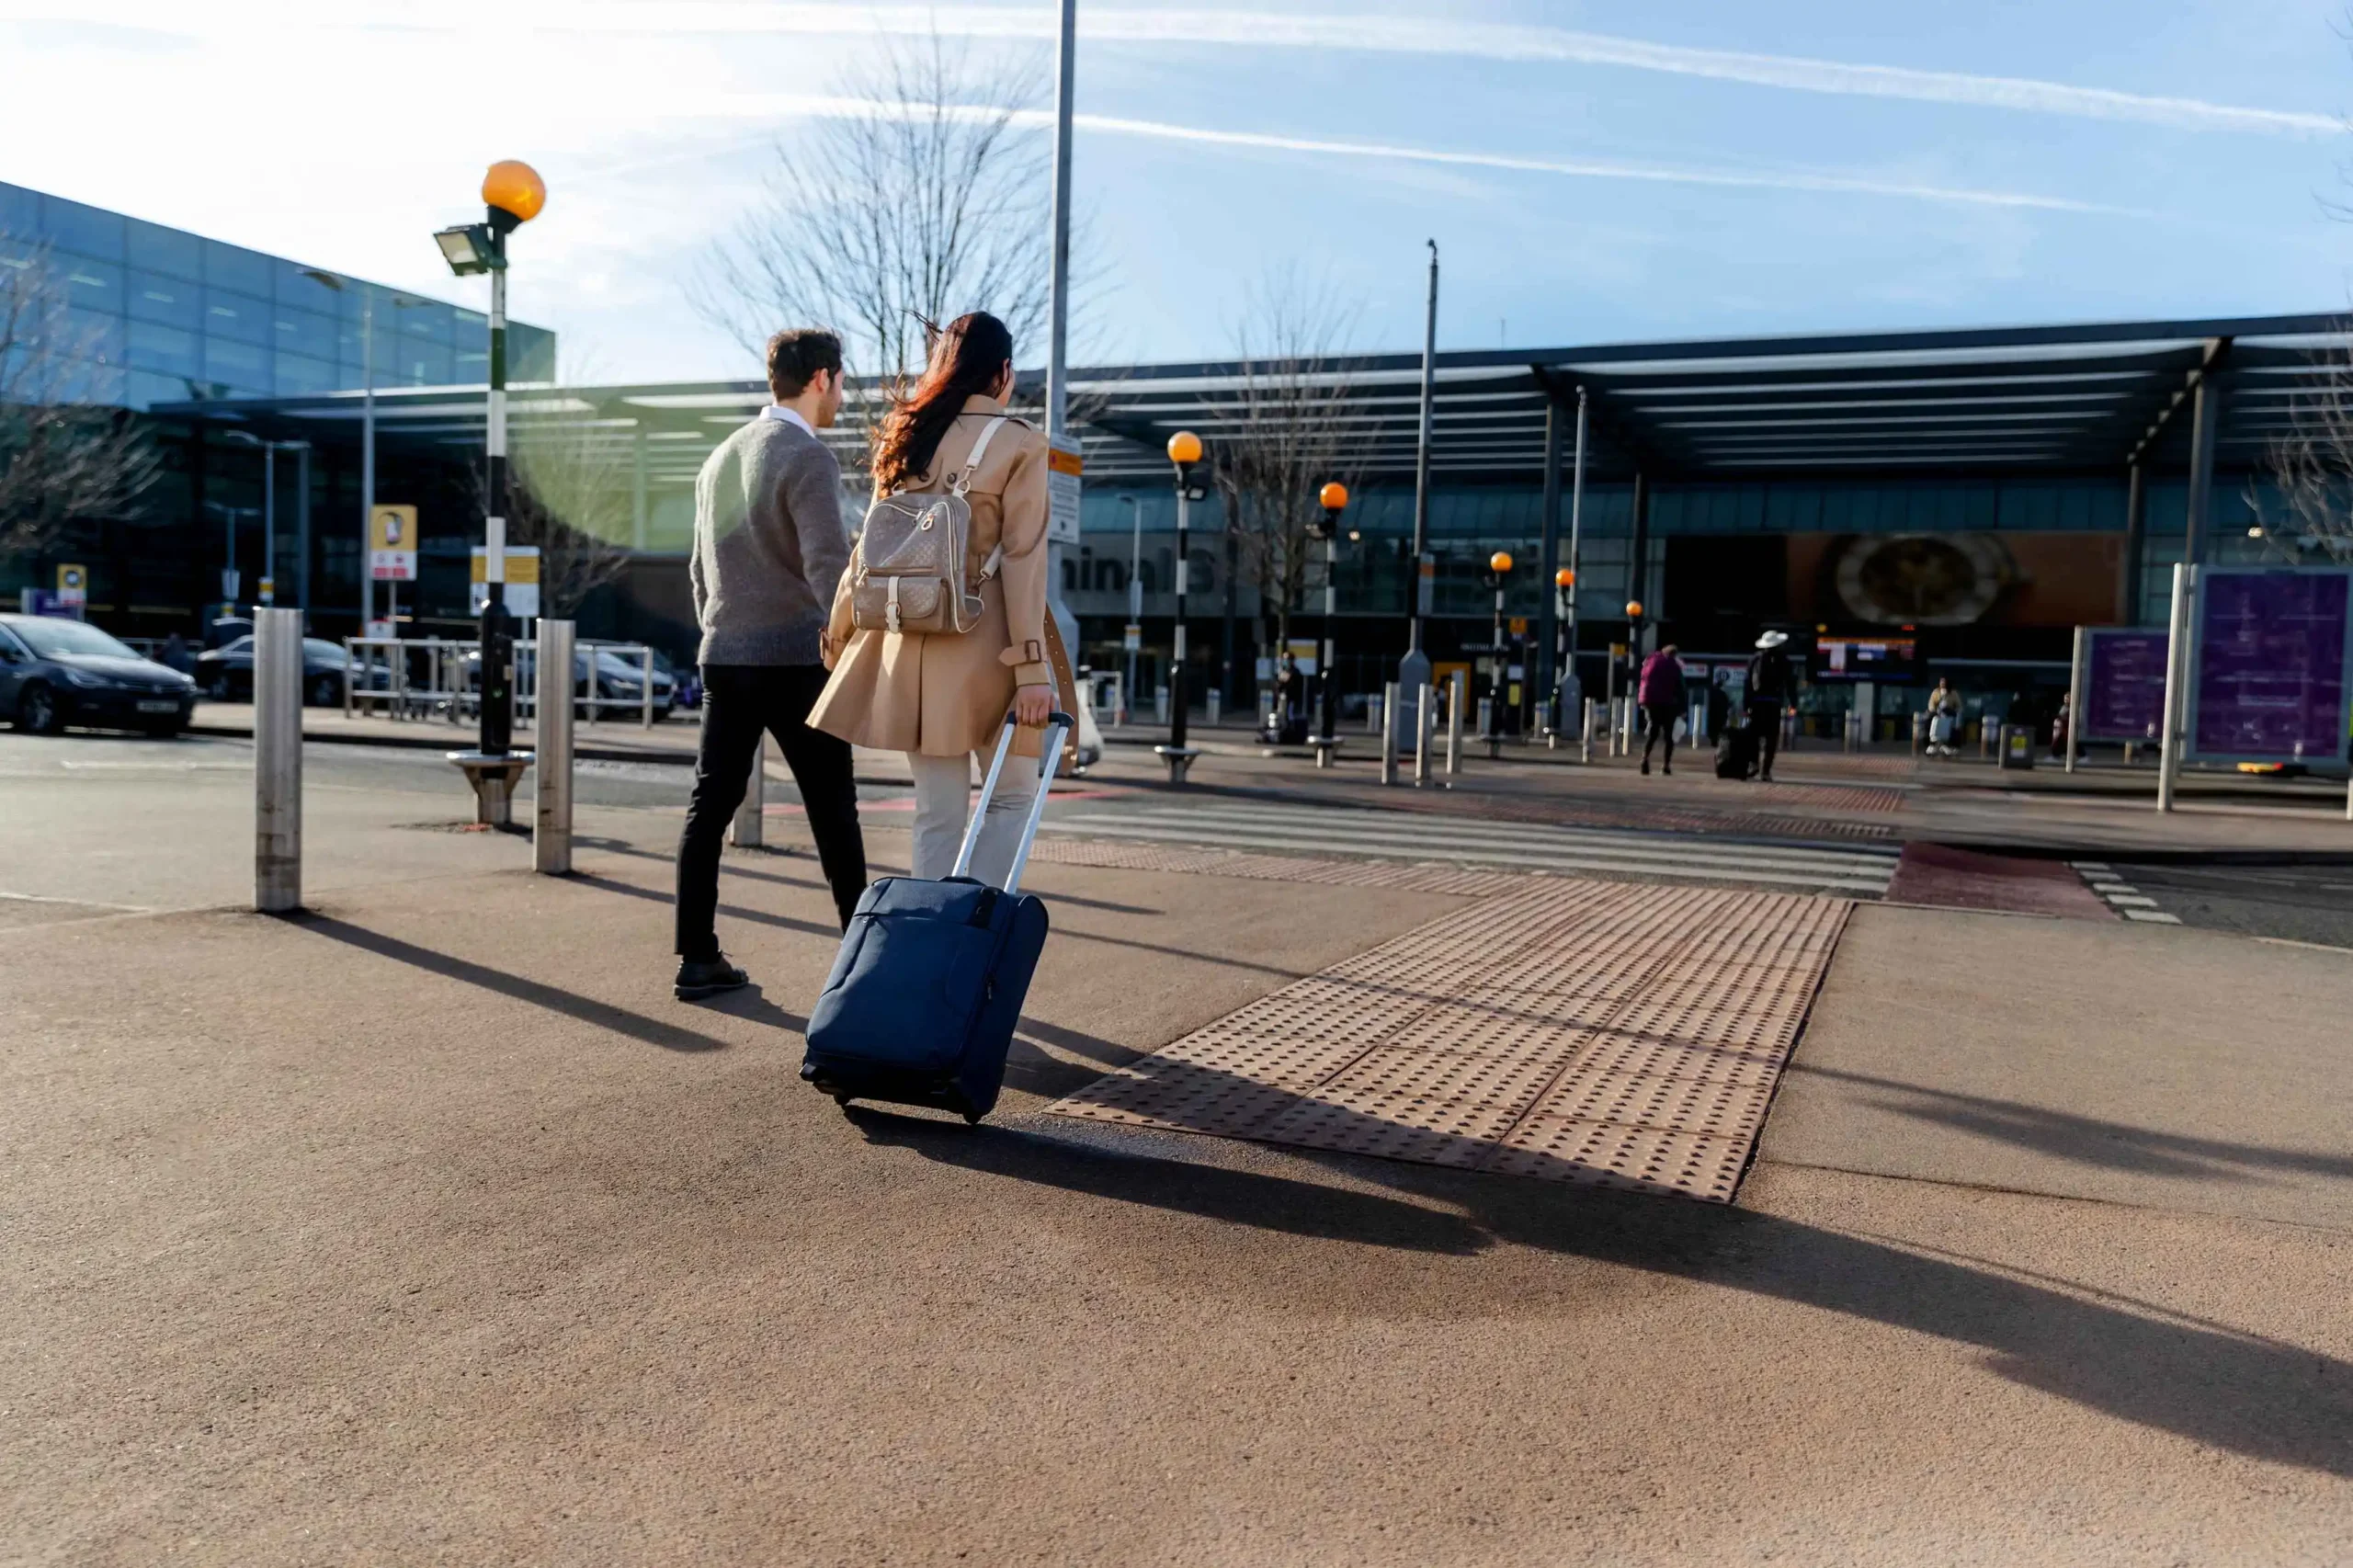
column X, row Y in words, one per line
column 1421, row 839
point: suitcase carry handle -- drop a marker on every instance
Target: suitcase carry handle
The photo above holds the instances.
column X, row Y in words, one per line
column 1058, row 724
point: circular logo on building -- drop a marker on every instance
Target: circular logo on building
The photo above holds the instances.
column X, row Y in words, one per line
column 1921, row 579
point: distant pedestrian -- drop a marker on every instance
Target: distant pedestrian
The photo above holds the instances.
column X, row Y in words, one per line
column 1771, row 683
column 175, row 656
column 2062, row 727
column 1944, row 719
column 1661, row 695
column 769, row 548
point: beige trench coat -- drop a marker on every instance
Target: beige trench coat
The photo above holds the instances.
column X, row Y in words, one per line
column 944, row 694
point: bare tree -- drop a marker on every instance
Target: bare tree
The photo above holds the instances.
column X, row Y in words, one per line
column 2311, row 469
column 1285, row 428
column 573, row 493
column 926, row 198
column 64, row 456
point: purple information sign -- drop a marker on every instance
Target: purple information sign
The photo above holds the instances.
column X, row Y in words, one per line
column 2124, row 685
column 2271, row 652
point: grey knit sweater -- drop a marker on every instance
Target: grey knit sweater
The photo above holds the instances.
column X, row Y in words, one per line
column 769, row 545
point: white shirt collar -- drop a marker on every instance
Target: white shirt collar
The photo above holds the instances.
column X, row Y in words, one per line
column 784, row 415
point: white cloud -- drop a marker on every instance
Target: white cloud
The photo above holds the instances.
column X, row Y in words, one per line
column 1414, row 35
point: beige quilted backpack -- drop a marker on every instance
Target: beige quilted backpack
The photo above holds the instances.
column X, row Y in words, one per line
column 912, row 554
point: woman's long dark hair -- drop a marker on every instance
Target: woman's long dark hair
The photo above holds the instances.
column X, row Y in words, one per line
column 965, row 362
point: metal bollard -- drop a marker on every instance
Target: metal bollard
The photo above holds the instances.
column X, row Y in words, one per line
column 1585, row 733
column 1216, row 700
column 1389, row 733
column 750, row 828
column 552, row 721
column 645, row 689
column 1425, row 723
column 1455, row 702
column 277, row 761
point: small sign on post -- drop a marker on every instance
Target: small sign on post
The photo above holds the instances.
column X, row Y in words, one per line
column 391, row 544
column 74, row 587
column 522, row 581
column 1064, row 465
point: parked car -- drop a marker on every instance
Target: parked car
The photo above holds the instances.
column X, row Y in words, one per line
column 226, row 674
column 618, row 680
column 55, row 673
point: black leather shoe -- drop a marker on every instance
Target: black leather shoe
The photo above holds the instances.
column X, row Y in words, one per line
column 708, row 978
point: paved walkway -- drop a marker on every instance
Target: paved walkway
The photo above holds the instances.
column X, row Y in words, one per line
column 429, row 1228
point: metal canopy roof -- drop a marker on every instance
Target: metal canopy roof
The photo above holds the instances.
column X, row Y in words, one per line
column 2089, row 398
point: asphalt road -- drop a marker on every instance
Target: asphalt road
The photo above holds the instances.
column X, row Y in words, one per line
column 2299, row 903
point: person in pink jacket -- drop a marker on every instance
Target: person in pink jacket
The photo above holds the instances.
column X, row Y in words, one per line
column 1661, row 695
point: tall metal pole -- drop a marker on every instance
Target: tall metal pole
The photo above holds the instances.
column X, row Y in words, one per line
column 2136, row 534
column 1576, row 540
column 269, row 520
column 2076, row 695
column 1134, row 634
column 366, row 452
column 1414, row 670
column 2174, row 726
column 302, row 528
column 497, row 716
column 1058, row 300
column 2206, row 411
column 1184, row 570
column 1548, row 563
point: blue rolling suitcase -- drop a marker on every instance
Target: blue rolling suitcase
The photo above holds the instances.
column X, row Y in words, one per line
column 921, row 1005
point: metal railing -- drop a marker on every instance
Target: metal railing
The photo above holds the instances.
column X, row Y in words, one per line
column 423, row 678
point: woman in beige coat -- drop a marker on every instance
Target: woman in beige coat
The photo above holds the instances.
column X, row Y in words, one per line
column 941, row 696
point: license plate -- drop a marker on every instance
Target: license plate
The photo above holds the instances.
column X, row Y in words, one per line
column 159, row 705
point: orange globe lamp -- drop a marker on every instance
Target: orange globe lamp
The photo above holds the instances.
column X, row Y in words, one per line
column 1184, row 447
column 1499, row 562
column 1564, row 578
column 515, row 187
column 1633, row 610
column 1333, row 496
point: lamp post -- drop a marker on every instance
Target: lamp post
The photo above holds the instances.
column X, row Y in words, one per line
column 267, row 590
column 1133, row 635
column 1498, row 574
column 514, row 193
column 1334, row 499
column 1184, row 451
column 1633, row 670
column 1564, row 592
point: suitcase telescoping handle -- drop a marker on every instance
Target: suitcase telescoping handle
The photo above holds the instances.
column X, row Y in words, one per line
column 1058, row 724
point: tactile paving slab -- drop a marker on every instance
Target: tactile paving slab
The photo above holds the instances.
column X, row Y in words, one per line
column 1569, row 1030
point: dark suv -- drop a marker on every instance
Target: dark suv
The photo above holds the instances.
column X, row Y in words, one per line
column 55, row 673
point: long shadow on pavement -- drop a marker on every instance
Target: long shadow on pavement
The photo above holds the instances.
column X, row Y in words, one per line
column 2260, row 1397
column 2085, row 1139
column 600, row 1015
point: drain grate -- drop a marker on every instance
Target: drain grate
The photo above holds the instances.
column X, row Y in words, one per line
column 1593, row 1032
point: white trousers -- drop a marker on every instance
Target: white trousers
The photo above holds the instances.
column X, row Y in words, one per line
column 944, row 803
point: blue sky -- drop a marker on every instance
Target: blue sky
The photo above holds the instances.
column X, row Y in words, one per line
column 1592, row 171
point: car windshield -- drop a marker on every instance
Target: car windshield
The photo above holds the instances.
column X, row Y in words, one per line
column 242, row 645
column 65, row 639
column 614, row 663
column 319, row 648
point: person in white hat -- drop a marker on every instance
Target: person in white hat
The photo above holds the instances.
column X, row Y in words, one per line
column 1772, row 684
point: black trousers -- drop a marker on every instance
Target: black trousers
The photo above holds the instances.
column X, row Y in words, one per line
column 1662, row 728
column 739, row 701
column 1764, row 718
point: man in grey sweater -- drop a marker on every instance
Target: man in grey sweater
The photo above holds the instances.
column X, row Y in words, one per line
column 769, row 547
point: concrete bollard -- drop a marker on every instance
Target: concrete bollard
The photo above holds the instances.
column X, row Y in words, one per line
column 552, row 718
column 1425, row 725
column 1388, row 713
column 277, row 761
column 1455, row 700
column 749, row 830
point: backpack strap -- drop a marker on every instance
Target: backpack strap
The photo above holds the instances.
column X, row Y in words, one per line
column 979, row 451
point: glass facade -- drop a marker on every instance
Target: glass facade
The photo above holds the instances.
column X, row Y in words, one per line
column 160, row 316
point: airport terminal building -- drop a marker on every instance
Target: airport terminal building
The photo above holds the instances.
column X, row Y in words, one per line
column 1926, row 502
column 1935, row 502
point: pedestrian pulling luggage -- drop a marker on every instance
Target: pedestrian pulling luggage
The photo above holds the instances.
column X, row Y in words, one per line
column 930, row 646
column 1770, row 684
column 925, row 994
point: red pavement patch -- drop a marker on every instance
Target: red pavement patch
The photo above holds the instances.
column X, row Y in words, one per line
column 1962, row 878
